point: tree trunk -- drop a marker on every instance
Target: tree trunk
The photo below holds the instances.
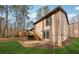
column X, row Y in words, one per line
column 6, row 23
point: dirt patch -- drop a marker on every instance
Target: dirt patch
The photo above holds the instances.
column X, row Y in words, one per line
column 7, row 39
column 67, row 42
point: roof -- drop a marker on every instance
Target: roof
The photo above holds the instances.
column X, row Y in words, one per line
column 52, row 12
column 32, row 28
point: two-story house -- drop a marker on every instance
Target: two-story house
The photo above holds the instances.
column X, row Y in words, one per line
column 53, row 26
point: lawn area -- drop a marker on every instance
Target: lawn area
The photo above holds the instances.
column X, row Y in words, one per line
column 13, row 47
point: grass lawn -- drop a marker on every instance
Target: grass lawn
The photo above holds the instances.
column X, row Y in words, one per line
column 15, row 48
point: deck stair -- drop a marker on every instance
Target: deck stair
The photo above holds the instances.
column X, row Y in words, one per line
column 33, row 36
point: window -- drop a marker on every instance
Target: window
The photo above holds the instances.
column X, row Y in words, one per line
column 46, row 34
column 48, row 21
column 43, row 34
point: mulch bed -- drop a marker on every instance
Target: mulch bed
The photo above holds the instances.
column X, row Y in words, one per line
column 67, row 42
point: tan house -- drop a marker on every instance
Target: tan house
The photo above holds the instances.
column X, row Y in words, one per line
column 53, row 26
column 74, row 29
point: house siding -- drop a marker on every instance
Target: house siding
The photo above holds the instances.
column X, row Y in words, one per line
column 58, row 30
column 74, row 30
column 64, row 26
column 39, row 29
column 46, row 28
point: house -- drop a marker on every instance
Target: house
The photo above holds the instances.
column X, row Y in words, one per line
column 53, row 26
column 74, row 29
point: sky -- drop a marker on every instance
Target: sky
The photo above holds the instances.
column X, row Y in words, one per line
column 72, row 10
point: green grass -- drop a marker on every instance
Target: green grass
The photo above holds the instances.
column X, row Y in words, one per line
column 15, row 48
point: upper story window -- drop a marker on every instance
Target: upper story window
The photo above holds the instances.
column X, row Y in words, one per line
column 48, row 21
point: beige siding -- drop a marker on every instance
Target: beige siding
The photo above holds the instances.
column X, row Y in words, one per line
column 74, row 30
column 53, row 28
column 71, row 31
column 62, row 28
column 39, row 29
column 59, row 28
column 46, row 28
column 65, row 29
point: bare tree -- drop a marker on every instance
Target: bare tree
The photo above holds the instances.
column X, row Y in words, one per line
column 39, row 13
column 45, row 10
column 21, row 14
column 1, row 18
column 6, row 21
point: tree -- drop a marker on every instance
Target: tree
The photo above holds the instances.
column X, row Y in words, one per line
column 42, row 11
column 21, row 14
column 5, row 30
column 78, row 23
column 6, row 22
column 29, row 25
column 24, row 11
column 1, row 10
column 39, row 13
column 45, row 10
column 1, row 18
column 15, row 9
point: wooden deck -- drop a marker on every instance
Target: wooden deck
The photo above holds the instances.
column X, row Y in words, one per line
column 34, row 43
column 42, row 44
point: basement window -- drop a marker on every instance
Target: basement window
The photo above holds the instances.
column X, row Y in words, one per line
column 46, row 34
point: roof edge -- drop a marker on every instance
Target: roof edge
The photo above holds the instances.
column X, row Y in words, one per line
column 52, row 12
